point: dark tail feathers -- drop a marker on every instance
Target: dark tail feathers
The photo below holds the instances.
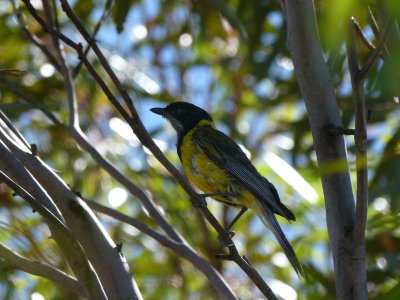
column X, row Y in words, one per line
column 268, row 218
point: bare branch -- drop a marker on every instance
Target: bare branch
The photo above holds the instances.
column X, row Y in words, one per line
column 364, row 39
column 26, row 96
column 10, row 126
column 23, row 184
column 316, row 87
column 360, row 137
column 40, row 269
column 373, row 58
column 113, row 276
column 65, row 70
column 104, row 16
column 34, row 39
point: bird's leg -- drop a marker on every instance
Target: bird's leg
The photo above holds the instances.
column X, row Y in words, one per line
column 228, row 234
column 224, row 194
column 241, row 212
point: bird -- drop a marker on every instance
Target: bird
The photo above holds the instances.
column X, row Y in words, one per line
column 217, row 165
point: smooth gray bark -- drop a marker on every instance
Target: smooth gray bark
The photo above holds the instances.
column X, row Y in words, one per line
column 324, row 116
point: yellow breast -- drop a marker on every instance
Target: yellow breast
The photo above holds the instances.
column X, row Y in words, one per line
column 207, row 176
column 200, row 170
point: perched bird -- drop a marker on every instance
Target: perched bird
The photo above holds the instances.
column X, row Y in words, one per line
column 217, row 165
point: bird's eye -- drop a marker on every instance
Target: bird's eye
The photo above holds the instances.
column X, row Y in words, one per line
column 181, row 112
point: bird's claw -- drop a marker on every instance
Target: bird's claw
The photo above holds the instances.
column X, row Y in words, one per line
column 199, row 202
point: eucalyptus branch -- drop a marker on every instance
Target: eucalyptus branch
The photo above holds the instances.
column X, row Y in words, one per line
column 17, row 261
column 27, row 97
column 360, row 137
column 47, row 8
column 373, row 58
column 65, row 70
column 33, row 38
column 10, row 126
column 25, row 186
column 364, row 39
column 315, row 82
column 181, row 248
column 373, row 23
column 114, row 275
column 104, row 16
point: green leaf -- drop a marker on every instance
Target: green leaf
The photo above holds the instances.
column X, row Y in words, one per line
column 83, row 8
column 119, row 12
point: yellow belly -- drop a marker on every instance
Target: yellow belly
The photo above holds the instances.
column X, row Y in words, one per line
column 209, row 178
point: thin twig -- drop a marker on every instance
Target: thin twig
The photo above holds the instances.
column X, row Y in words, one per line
column 65, row 70
column 375, row 29
column 11, row 72
column 131, row 187
column 33, row 38
column 360, row 137
column 360, row 32
column 178, row 247
column 92, row 43
column 104, row 16
column 170, row 243
column 20, row 92
column 373, row 58
column 373, row 23
column 50, row 21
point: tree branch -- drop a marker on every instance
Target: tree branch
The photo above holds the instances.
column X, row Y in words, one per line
column 316, row 87
column 65, row 70
column 40, row 269
column 65, row 240
column 33, row 38
column 104, row 16
column 98, row 245
column 373, row 58
column 360, row 137
column 181, row 248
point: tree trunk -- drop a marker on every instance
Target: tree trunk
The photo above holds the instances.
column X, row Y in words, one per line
column 324, row 116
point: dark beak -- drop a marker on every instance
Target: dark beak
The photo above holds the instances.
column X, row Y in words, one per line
column 159, row 111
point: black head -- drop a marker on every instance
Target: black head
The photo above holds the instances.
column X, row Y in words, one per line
column 182, row 115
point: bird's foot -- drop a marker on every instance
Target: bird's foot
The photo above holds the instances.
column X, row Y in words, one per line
column 199, row 201
column 225, row 237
